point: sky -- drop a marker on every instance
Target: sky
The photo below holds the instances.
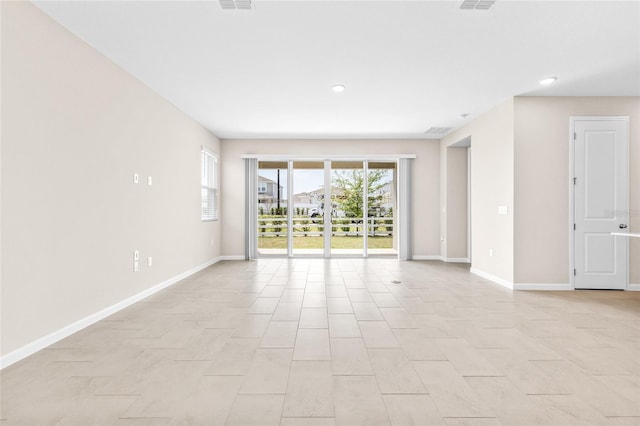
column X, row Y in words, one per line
column 305, row 180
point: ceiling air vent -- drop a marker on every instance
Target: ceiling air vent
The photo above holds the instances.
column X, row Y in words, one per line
column 476, row 4
column 236, row 4
column 437, row 132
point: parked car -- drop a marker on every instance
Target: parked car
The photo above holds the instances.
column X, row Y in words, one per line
column 317, row 213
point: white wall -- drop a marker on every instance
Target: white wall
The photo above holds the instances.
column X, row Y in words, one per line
column 520, row 158
column 492, row 172
column 456, row 204
column 425, row 197
column 542, row 182
column 75, row 128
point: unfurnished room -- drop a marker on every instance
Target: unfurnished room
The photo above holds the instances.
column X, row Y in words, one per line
column 320, row 213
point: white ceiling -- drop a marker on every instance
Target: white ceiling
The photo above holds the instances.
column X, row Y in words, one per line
column 406, row 65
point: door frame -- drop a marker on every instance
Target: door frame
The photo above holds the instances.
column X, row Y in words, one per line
column 572, row 192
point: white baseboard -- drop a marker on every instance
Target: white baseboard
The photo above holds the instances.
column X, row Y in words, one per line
column 50, row 339
column 457, row 260
column 542, row 286
column 633, row 287
column 441, row 258
column 232, row 257
column 493, row 278
column 426, row 257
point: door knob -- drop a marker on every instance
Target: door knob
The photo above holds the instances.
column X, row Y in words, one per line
column 622, row 226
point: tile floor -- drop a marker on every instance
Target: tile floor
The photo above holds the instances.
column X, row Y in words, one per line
column 319, row 342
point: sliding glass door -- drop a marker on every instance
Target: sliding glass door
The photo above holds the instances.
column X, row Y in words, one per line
column 381, row 208
column 273, row 208
column 325, row 208
column 347, row 200
column 308, row 208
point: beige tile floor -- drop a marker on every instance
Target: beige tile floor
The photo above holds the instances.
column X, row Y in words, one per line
column 335, row 342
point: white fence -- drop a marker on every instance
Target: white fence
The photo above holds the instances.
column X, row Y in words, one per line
column 276, row 226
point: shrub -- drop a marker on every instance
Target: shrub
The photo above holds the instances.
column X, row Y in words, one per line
column 388, row 222
column 375, row 225
column 277, row 226
column 305, row 226
column 279, row 211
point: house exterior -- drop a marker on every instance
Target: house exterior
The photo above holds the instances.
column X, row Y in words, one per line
column 268, row 193
column 308, row 199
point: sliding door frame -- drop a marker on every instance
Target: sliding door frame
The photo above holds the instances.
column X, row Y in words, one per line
column 403, row 190
column 289, row 208
column 328, row 206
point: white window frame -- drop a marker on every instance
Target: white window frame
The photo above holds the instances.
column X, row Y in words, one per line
column 208, row 185
column 262, row 188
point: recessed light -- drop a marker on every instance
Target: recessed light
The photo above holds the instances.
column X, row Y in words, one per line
column 465, row 115
column 548, row 80
column 338, row 88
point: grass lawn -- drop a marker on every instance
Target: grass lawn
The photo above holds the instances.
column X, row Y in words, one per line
column 341, row 242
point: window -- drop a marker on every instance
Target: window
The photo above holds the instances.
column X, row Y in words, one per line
column 209, row 181
column 262, row 187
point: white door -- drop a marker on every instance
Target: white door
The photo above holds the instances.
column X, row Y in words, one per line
column 600, row 202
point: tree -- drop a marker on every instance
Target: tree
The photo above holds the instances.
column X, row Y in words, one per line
column 349, row 185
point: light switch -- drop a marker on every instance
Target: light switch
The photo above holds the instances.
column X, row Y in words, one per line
column 135, row 178
column 503, row 210
column 149, row 261
column 136, row 256
column 149, row 180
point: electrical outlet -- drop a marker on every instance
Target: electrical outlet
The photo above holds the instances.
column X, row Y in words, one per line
column 136, row 266
column 149, row 261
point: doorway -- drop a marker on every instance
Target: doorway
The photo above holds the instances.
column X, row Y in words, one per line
column 599, row 188
column 457, row 237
